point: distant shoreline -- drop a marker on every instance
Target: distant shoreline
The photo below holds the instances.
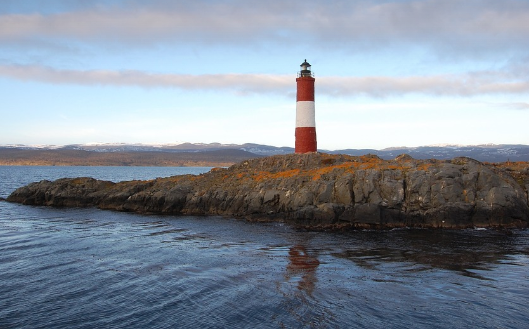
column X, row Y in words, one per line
column 190, row 164
column 212, row 164
column 22, row 157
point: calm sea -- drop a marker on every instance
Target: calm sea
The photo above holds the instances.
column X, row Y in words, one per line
column 86, row 268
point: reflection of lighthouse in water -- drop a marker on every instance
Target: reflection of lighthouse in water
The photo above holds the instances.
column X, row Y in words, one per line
column 305, row 111
column 303, row 265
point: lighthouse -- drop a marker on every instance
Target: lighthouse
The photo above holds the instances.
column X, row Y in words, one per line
column 305, row 111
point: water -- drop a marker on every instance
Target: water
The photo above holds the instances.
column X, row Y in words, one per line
column 86, row 268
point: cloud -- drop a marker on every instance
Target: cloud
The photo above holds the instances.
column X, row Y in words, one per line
column 520, row 106
column 464, row 85
column 439, row 85
column 239, row 83
column 447, row 25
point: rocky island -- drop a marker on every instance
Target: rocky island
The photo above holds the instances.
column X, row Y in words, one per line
column 317, row 191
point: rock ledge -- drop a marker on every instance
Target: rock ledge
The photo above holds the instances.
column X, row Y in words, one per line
column 315, row 190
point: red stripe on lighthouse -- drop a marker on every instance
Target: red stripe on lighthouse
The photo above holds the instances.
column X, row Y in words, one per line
column 305, row 112
column 306, row 139
column 305, row 90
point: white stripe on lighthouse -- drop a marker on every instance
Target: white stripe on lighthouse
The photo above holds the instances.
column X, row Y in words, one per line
column 305, row 116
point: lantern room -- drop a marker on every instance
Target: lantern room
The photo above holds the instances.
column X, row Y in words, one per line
column 305, row 70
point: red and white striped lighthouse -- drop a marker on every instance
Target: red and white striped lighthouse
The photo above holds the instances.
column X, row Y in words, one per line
column 305, row 111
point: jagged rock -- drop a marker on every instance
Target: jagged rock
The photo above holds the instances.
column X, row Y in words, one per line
column 316, row 189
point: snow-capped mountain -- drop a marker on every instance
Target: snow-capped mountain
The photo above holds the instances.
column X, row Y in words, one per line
column 486, row 152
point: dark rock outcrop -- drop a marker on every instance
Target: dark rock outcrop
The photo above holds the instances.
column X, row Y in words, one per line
column 315, row 190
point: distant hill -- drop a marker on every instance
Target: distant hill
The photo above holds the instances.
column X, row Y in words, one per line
column 216, row 154
column 484, row 153
column 257, row 149
column 73, row 157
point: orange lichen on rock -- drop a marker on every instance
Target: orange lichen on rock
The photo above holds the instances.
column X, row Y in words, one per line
column 317, row 173
column 424, row 166
column 266, row 175
column 334, row 165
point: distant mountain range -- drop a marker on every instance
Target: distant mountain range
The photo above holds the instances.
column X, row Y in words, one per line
column 484, row 153
column 224, row 154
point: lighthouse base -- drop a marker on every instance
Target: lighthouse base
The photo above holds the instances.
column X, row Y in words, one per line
column 306, row 140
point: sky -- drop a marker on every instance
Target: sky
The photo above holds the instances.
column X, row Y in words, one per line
column 388, row 72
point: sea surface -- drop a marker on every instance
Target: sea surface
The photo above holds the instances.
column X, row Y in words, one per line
column 87, row 268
